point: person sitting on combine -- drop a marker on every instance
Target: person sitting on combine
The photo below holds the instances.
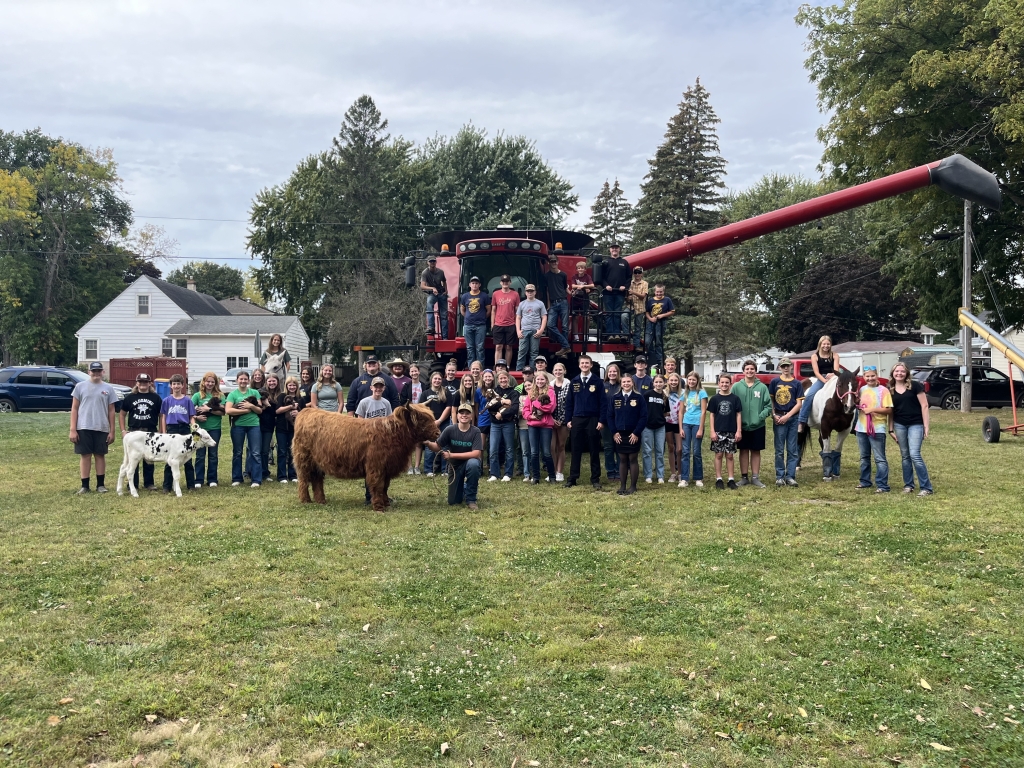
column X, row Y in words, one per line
column 435, row 285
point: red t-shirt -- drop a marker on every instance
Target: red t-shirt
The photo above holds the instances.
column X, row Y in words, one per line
column 505, row 305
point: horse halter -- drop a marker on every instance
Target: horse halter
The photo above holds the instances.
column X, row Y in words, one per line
column 849, row 400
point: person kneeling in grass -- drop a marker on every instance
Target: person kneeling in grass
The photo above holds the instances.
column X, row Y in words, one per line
column 465, row 463
column 726, row 428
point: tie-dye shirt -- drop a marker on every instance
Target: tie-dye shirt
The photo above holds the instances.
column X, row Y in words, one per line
column 873, row 397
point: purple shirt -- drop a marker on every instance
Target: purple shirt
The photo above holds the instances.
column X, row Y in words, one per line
column 177, row 410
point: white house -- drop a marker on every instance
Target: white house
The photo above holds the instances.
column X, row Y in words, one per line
column 1016, row 337
column 153, row 318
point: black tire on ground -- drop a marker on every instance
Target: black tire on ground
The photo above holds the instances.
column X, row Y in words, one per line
column 950, row 401
column 990, row 429
column 7, row 406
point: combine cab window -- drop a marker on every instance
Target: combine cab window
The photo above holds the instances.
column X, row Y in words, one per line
column 491, row 266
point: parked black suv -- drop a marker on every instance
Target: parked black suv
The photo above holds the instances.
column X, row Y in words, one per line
column 989, row 387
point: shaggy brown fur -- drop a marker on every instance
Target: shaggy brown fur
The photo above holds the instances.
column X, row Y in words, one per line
column 341, row 446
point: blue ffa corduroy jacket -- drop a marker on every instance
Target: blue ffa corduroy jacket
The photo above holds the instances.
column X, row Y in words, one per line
column 626, row 413
column 585, row 400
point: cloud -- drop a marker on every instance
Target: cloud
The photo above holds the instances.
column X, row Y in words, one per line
column 205, row 103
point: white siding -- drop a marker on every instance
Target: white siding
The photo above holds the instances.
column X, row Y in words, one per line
column 999, row 361
column 121, row 332
column 210, row 353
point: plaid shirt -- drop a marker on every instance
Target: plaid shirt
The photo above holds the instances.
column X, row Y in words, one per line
column 638, row 303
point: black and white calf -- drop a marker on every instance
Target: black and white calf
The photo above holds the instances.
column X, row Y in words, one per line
column 155, row 447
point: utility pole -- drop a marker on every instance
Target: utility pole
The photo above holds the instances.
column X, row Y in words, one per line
column 965, row 332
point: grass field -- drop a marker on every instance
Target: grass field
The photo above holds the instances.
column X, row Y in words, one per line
column 786, row 627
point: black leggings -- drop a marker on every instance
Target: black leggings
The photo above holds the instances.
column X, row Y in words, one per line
column 628, row 462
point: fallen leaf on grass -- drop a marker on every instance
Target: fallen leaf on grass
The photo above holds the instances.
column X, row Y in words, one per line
column 150, row 718
column 366, row 627
column 919, row 718
column 729, row 550
column 1011, row 720
column 802, row 711
column 978, row 711
column 53, row 720
column 692, row 676
column 924, row 684
column 968, row 688
column 770, row 638
column 137, row 760
column 721, row 735
column 66, row 700
column 940, row 747
column 195, row 729
column 883, row 728
column 534, row 763
column 444, row 747
column 471, row 712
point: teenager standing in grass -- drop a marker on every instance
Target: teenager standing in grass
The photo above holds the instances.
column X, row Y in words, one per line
column 757, row 406
column 560, row 432
column 376, row 406
column 243, row 406
column 726, row 429
column 537, row 408
column 411, row 392
column 92, row 425
column 875, row 405
column 504, row 411
column 142, row 410
column 674, row 390
column 626, row 417
column 908, row 426
column 177, row 415
column 786, row 393
column 693, row 405
column 209, row 418
column 585, row 407
column 654, row 431
column 287, row 407
column 306, row 383
column 326, row 393
column 438, row 398
column 268, row 420
column 612, row 387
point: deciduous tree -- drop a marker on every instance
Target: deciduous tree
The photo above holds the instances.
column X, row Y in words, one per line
column 217, row 280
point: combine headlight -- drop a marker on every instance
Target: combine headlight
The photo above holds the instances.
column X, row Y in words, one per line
column 511, row 244
column 472, row 246
column 536, row 246
column 484, row 246
column 462, row 249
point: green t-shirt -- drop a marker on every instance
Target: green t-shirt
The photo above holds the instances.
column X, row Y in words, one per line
column 250, row 419
column 212, row 422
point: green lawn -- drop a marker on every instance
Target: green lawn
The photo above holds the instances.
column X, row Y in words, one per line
column 794, row 627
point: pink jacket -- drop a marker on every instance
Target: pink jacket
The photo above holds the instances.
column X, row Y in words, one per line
column 547, row 419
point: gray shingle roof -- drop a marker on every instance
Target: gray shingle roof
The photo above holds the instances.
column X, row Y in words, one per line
column 237, row 306
column 192, row 302
column 232, row 325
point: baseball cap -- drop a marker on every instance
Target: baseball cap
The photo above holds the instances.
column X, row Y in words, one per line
column 432, row 257
column 506, row 278
column 529, row 287
column 638, row 270
column 465, row 407
column 142, row 377
column 96, row 366
column 474, row 279
column 377, row 380
column 553, row 258
column 372, row 359
column 500, row 362
column 539, row 357
column 784, row 362
column 526, row 369
column 640, row 359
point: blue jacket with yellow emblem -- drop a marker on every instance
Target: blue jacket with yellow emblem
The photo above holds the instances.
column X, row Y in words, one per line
column 585, row 398
column 626, row 413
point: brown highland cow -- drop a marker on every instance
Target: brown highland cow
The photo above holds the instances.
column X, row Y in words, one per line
column 345, row 447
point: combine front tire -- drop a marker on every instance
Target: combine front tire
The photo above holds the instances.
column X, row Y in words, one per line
column 990, row 429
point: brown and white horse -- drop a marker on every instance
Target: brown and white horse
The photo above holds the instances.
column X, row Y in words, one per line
column 834, row 410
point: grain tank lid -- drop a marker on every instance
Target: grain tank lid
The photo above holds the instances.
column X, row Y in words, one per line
column 571, row 242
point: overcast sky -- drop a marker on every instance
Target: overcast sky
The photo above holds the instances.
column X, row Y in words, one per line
column 205, row 103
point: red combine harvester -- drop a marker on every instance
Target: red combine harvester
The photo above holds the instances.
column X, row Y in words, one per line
column 523, row 253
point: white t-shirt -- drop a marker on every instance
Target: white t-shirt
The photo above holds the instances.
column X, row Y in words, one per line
column 531, row 311
column 369, row 408
column 94, row 405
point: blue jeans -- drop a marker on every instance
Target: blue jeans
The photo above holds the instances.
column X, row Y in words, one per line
column 467, row 480
column 529, row 348
column 559, row 311
column 254, row 464
column 285, row 467
column 654, row 440
column 691, row 447
column 503, row 435
column 639, row 323
column 611, row 458
column 654, row 342
column 910, row 439
column 613, row 303
column 441, row 301
column 190, row 471
column 428, row 462
column 266, row 438
column 206, row 458
column 787, row 451
column 540, row 445
column 873, row 446
column 524, row 445
column 475, row 335
column 805, row 409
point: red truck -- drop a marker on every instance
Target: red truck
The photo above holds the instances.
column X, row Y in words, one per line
column 802, row 370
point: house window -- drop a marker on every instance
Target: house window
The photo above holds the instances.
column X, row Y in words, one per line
column 168, row 348
column 181, row 348
column 143, row 303
column 238, row 362
column 92, row 349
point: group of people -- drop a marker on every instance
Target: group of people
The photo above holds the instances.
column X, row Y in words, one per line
column 559, row 308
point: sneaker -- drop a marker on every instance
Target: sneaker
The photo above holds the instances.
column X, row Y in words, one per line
column 526, row 478
column 756, row 482
column 862, row 487
column 559, row 477
column 472, row 506
column 492, row 479
column 648, row 480
column 881, row 490
column 683, row 484
column 908, row 489
column 673, row 478
column 255, row 485
column 720, row 485
column 416, row 471
column 284, row 481
column 699, row 483
column 780, row 483
column 506, row 479
column 596, row 486
column 81, row 491
column 661, row 481
column 101, row 489
column 741, row 482
column 430, row 474
column 410, row 471
column 925, row 493
column 212, row 485
column 197, row 486
column 294, row 480
column 731, row 485
column 621, row 492
column 233, row 485
column 791, row 482
column 570, row 484
column 535, row 481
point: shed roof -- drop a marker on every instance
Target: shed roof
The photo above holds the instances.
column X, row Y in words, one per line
column 239, row 306
column 233, row 325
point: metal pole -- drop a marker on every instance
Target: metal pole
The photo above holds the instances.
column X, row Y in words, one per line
column 965, row 332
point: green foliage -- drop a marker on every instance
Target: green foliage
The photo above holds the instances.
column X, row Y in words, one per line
column 910, row 81
column 372, row 197
column 62, row 256
column 611, row 218
column 217, row 280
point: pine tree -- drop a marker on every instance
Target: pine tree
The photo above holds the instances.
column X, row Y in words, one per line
column 681, row 194
column 611, row 218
